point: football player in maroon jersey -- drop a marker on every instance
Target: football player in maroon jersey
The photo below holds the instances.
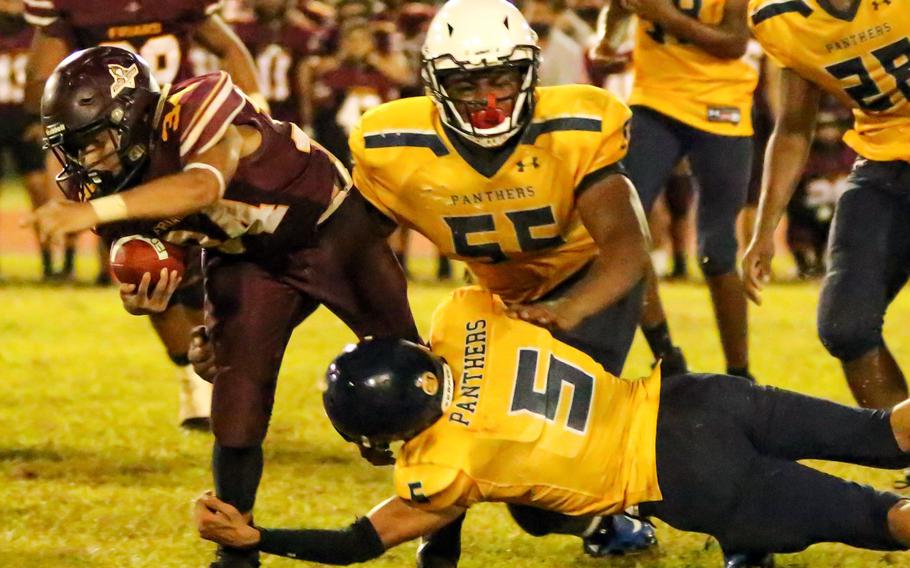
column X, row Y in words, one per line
column 280, row 38
column 282, row 228
column 21, row 135
column 161, row 31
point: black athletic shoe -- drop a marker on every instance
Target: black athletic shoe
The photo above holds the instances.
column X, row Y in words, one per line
column 441, row 549
column 673, row 363
column 233, row 558
column 618, row 535
column 748, row 560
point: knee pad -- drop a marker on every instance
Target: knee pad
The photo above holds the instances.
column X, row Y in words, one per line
column 847, row 337
column 717, row 260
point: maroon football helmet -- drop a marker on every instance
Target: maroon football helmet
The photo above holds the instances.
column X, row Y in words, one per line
column 97, row 90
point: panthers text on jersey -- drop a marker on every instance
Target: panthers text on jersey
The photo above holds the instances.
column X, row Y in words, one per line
column 862, row 57
column 158, row 30
column 514, row 222
column 684, row 82
column 533, row 421
column 276, row 198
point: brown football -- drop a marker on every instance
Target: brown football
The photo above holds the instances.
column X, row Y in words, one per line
column 134, row 255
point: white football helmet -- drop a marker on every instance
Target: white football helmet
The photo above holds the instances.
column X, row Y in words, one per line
column 470, row 35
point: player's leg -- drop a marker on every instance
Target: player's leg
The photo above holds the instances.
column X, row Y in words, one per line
column 722, row 166
column 41, row 189
column 869, row 251
column 716, row 480
column 680, row 193
column 250, row 316
column 654, row 149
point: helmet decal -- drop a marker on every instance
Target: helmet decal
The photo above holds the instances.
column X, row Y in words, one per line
column 124, row 77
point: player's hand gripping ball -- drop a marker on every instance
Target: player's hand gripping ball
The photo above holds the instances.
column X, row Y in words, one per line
column 134, row 255
column 149, row 272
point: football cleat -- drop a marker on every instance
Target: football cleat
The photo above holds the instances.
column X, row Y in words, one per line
column 195, row 400
column 903, row 483
column 619, row 534
column 748, row 560
column 234, row 558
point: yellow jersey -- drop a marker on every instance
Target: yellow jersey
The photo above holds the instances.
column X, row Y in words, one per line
column 512, row 220
column 684, row 82
column 533, row 421
column 862, row 58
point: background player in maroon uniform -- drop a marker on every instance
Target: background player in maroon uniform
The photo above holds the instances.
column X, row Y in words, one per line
column 280, row 38
column 162, row 32
column 354, row 80
column 282, row 229
column 21, row 135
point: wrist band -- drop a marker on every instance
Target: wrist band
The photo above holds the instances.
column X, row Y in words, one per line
column 110, row 208
column 211, row 169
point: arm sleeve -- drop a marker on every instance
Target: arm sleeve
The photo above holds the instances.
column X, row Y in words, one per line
column 604, row 155
column 357, row 543
column 370, row 186
column 206, row 106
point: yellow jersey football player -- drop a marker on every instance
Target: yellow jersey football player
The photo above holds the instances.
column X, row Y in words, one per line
column 501, row 410
column 858, row 51
column 523, row 183
column 692, row 97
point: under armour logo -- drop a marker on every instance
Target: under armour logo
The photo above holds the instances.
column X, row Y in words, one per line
column 876, row 3
column 534, row 164
column 124, row 77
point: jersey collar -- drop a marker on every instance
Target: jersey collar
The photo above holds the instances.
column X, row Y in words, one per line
column 486, row 161
column 845, row 15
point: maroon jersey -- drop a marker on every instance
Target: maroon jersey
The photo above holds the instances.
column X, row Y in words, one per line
column 278, row 48
column 15, row 39
column 158, row 30
column 278, row 195
column 349, row 90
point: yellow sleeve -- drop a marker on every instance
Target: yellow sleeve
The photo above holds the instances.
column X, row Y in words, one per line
column 432, row 487
column 605, row 153
column 368, row 183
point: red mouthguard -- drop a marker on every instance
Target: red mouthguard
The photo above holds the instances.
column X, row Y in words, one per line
column 489, row 116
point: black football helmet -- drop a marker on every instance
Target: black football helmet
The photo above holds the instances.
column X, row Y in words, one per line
column 383, row 390
column 92, row 91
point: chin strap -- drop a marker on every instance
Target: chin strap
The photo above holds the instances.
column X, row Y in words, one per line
column 489, row 116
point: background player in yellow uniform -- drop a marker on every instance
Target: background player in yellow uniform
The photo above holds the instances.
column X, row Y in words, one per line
column 523, row 183
column 503, row 411
column 859, row 51
column 692, row 97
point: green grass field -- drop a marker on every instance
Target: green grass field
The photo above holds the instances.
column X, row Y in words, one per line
column 95, row 473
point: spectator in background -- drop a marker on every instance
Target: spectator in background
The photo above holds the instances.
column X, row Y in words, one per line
column 811, row 210
column 355, row 79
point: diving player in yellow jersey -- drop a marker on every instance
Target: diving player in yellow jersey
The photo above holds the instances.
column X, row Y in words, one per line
column 501, row 410
column 692, row 97
column 859, row 51
column 525, row 184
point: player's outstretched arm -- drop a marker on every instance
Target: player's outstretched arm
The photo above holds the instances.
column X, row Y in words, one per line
column 785, row 158
column 727, row 40
column 217, row 37
column 201, row 183
column 612, row 213
column 387, row 525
